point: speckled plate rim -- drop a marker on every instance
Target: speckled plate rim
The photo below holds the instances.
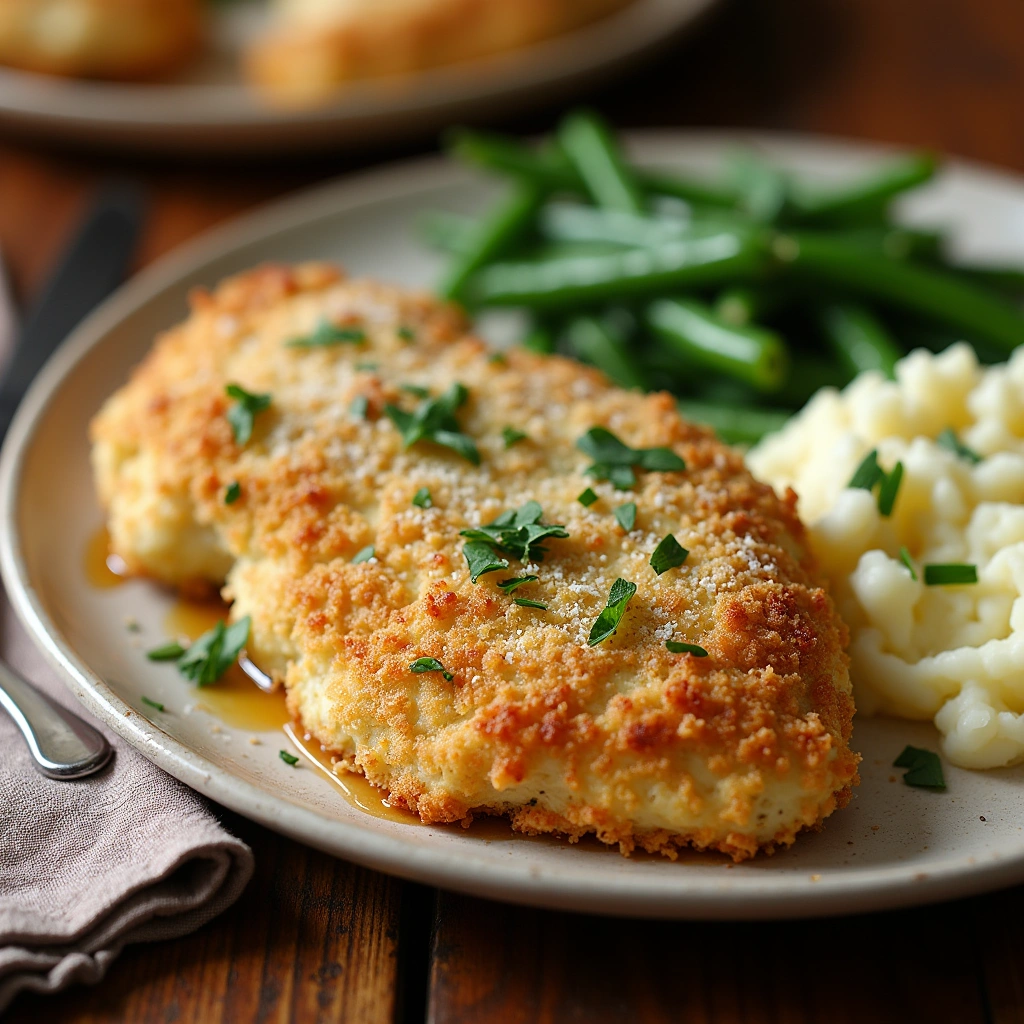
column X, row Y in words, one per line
column 737, row 895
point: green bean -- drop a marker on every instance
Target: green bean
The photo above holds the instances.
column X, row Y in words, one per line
column 449, row 232
column 453, row 232
column 594, row 154
column 728, row 255
column 539, row 338
column 573, row 222
column 751, row 354
column 492, row 237
column 596, row 341
column 690, row 190
column 762, row 190
column 858, row 339
column 808, row 374
column 1004, row 279
column 739, row 305
column 934, row 293
column 550, row 169
column 563, row 250
column 873, row 192
column 546, row 168
column 745, row 425
column 899, row 243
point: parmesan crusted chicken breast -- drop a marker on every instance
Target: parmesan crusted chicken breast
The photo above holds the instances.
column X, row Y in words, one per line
column 448, row 594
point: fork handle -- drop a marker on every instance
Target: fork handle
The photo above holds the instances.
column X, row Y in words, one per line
column 63, row 746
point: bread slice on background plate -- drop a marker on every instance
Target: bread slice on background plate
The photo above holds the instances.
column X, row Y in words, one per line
column 116, row 39
column 313, row 48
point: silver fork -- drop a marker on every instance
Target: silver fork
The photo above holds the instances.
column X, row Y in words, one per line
column 62, row 745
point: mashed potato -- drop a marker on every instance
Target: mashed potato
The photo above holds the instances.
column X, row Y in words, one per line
column 952, row 653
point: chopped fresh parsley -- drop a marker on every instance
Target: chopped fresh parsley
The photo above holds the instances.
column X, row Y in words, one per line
column 678, row 647
column 889, row 489
column 367, row 366
column 625, row 515
column 906, row 560
column 232, row 492
column 358, row 406
column 669, row 554
column 513, row 436
column 525, row 602
column 431, row 665
column 153, row 704
column 925, row 768
column 497, row 358
column 406, row 333
column 516, row 582
column 214, row 652
column 242, row 412
column 364, row 554
column 587, row 498
column 950, row 574
column 288, row 758
column 481, row 559
column 422, row 499
column 327, row 335
column 416, row 390
column 170, row 651
column 435, row 421
column 948, row 440
column 616, row 461
column 868, row 473
column 518, row 532
column 607, row 622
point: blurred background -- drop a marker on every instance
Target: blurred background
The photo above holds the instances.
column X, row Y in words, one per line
column 941, row 74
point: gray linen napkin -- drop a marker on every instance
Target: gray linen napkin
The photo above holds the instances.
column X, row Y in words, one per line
column 128, row 855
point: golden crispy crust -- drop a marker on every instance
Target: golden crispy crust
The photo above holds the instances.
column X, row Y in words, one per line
column 117, row 39
column 305, row 58
column 735, row 752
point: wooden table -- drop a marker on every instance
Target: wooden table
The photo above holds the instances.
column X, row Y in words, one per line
column 316, row 939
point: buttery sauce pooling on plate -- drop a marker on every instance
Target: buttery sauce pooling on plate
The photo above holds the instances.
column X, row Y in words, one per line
column 102, row 569
column 239, row 702
column 356, row 789
column 236, row 699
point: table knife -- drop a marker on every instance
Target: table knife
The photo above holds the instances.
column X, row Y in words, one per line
column 63, row 745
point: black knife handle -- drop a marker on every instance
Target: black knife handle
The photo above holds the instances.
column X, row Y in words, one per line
column 93, row 265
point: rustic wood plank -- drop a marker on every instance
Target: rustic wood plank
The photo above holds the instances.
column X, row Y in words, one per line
column 497, row 964
column 999, row 948
column 39, row 202
column 313, row 939
column 946, row 74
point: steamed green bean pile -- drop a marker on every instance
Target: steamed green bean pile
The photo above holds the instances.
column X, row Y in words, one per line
column 742, row 295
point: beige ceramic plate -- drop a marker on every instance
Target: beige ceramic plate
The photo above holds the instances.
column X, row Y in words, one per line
column 212, row 110
column 893, row 845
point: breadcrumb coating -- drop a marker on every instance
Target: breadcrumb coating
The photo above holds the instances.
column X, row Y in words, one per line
column 737, row 751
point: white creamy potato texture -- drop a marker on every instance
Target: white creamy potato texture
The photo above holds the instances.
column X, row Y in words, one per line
column 952, row 653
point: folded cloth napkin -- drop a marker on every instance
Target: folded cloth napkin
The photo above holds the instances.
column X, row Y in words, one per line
column 127, row 855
